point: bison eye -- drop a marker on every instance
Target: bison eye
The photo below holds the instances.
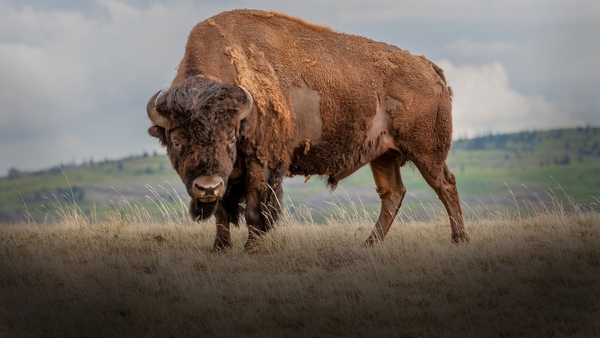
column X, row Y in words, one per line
column 177, row 141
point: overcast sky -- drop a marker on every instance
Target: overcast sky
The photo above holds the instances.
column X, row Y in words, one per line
column 75, row 76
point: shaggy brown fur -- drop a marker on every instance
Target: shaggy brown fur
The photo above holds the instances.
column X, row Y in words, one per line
column 373, row 103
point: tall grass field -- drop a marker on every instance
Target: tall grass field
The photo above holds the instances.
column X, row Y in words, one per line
column 140, row 274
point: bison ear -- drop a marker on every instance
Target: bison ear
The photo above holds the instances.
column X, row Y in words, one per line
column 246, row 108
column 159, row 133
column 153, row 114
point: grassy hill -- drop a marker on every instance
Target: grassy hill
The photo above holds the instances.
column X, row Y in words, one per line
column 494, row 172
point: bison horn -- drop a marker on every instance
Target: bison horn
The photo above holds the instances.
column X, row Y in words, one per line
column 153, row 114
column 246, row 108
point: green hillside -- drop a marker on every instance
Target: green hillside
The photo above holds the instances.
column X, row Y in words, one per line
column 494, row 172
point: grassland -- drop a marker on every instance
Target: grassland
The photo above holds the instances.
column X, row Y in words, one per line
column 132, row 274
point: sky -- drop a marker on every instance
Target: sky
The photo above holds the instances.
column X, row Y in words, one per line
column 75, row 76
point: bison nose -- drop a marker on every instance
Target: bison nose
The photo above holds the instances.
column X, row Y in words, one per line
column 208, row 188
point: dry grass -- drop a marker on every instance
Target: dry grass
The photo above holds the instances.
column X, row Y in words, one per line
column 135, row 275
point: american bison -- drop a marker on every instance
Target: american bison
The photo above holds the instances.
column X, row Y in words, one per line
column 260, row 96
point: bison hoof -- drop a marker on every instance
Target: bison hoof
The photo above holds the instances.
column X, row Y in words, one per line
column 218, row 249
column 251, row 248
column 220, row 246
column 372, row 240
column 460, row 238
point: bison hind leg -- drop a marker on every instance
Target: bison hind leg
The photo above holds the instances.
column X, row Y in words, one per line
column 391, row 190
column 443, row 182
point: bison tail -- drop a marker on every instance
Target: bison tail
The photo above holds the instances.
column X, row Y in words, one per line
column 443, row 126
column 440, row 72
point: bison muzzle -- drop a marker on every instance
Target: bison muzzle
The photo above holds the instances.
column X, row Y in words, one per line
column 260, row 96
column 208, row 189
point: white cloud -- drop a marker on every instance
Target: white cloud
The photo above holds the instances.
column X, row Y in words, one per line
column 485, row 102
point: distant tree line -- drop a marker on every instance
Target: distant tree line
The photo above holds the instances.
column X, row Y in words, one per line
column 74, row 193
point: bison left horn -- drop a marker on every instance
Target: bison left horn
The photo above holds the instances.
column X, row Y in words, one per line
column 153, row 114
column 247, row 107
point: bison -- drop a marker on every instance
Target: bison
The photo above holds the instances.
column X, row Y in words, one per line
column 260, row 96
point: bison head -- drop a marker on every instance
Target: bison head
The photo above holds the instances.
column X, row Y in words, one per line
column 198, row 121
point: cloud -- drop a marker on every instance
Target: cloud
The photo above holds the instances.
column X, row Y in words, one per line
column 30, row 153
column 485, row 102
column 62, row 69
column 37, row 87
column 467, row 48
column 528, row 12
column 40, row 82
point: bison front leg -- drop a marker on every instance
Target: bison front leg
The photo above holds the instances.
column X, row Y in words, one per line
column 263, row 193
column 228, row 212
column 254, row 221
column 391, row 190
column 223, row 237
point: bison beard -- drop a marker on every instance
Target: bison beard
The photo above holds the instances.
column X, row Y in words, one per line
column 201, row 211
column 245, row 107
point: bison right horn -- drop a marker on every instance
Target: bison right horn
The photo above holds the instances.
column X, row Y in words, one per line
column 153, row 114
column 246, row 108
